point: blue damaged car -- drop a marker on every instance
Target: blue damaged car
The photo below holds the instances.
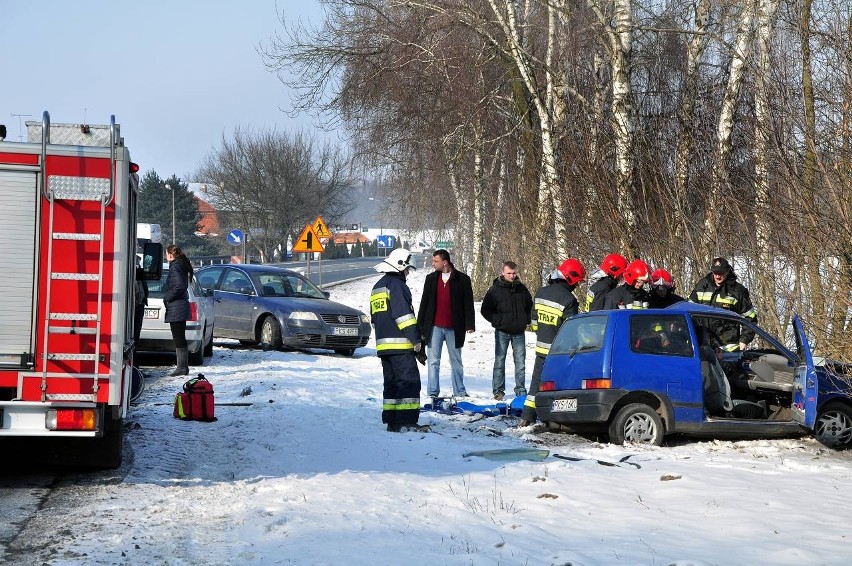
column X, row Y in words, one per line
column 641, row 375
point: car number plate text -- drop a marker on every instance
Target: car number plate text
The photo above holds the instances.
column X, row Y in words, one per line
column 152, row 313
column 344, row 331
column 564, row 405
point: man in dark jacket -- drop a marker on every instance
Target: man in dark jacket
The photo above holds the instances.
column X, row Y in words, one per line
column 446, row 314
column 397, row 342
column 554, row 304
column 720, row 288
column 507, row 306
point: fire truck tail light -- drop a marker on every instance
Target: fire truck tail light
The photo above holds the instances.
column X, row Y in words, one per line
column 547, row 386
column 597, row 384
column 134, row 168
column 193, row 311
column 71, row 419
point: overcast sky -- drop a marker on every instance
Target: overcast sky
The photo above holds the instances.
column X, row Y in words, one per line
column 176, row 75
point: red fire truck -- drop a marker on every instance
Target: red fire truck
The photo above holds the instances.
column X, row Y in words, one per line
column 68, row 223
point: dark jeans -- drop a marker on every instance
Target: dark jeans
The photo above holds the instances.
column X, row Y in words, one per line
column 501, row 348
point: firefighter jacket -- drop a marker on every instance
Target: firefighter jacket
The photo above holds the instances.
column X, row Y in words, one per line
column 627, row 297
column 393, row 316
column 507, row 306
column 600, row 285
column 554, row 304
column 732, row 296
column 658, row 302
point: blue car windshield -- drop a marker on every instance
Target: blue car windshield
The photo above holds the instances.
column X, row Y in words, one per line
column 585, row 334
column 286, row 285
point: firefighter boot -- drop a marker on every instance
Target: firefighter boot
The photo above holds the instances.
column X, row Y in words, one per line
column 182, row 362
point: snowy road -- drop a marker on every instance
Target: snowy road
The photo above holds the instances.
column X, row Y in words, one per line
column 306, row 474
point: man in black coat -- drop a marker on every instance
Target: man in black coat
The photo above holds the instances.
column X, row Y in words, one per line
column 720, row 288
column 507, row 306
column 445, row 315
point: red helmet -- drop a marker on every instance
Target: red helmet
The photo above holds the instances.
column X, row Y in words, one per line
column 636, row 270
column 613, row 265
column 662, row 278
column 572, row 271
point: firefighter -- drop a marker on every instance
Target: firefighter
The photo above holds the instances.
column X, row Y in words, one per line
column 398, row 343
column 633, row 294
column 604, row 280
column 553, row 304
column 720, row 288
column 662, row 290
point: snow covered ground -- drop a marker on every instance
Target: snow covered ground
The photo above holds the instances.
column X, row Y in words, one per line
column 307, row 474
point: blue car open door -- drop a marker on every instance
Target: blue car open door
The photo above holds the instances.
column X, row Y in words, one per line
column 807, row 385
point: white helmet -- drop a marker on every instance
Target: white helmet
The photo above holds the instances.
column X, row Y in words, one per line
column 397, row 261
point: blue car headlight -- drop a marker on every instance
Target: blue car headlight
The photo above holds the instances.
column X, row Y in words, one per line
column 303, row 315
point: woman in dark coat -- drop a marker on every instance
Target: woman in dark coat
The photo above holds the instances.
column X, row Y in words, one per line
column 176, row 301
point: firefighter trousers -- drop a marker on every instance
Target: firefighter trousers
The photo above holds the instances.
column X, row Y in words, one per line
column 401, row 403
column 528, row 413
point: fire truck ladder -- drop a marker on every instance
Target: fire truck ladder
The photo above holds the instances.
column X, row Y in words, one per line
column 60, row 188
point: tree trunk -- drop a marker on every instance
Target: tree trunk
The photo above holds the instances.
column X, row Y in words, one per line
column 686, row 117
column 622, row 115
column 720, row 185
column 765, row 276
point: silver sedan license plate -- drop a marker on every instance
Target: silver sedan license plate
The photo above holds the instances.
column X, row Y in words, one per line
column 564, row 405
column 344, row 331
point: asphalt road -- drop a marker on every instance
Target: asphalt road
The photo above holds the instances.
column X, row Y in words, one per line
column 328, row 273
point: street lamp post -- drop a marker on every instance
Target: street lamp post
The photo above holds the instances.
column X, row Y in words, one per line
column 174, row 236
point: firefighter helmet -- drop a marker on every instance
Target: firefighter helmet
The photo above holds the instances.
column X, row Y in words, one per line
column 636, row 270
column 572, row 271
column 613, row 265
column 662, row 278
column 397, row 261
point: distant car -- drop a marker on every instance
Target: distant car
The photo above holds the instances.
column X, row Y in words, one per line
column 639, row 375
column 276, row 307
column 156, row 334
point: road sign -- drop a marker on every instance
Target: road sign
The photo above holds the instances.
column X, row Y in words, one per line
column 308, row 241
column 321, row 228
column 236, row 237
column 444, row 244
column 385, row 241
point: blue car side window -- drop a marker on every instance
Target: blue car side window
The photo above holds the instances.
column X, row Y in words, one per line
column 662, row 335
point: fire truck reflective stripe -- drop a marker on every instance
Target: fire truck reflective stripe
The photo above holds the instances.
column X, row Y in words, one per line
column 75, row 276
column 72, row 316
column 70, row 330
column 63, row 187
column 75, row 236
column 69, row 397
column 73, row 357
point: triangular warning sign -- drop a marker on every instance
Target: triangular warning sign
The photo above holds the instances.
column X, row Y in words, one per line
column 308, row 241
column 321, row 228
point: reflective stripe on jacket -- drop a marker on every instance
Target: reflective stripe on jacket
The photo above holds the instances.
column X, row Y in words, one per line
column 393, row 315
column 553, row 304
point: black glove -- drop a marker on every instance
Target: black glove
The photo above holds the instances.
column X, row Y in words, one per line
column 421, row 355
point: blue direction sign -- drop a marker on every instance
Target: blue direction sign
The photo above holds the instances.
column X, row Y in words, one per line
column 236, row 237
column 385, row 241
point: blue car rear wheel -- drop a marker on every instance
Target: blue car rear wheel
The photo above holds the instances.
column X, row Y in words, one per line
column 637, row 423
